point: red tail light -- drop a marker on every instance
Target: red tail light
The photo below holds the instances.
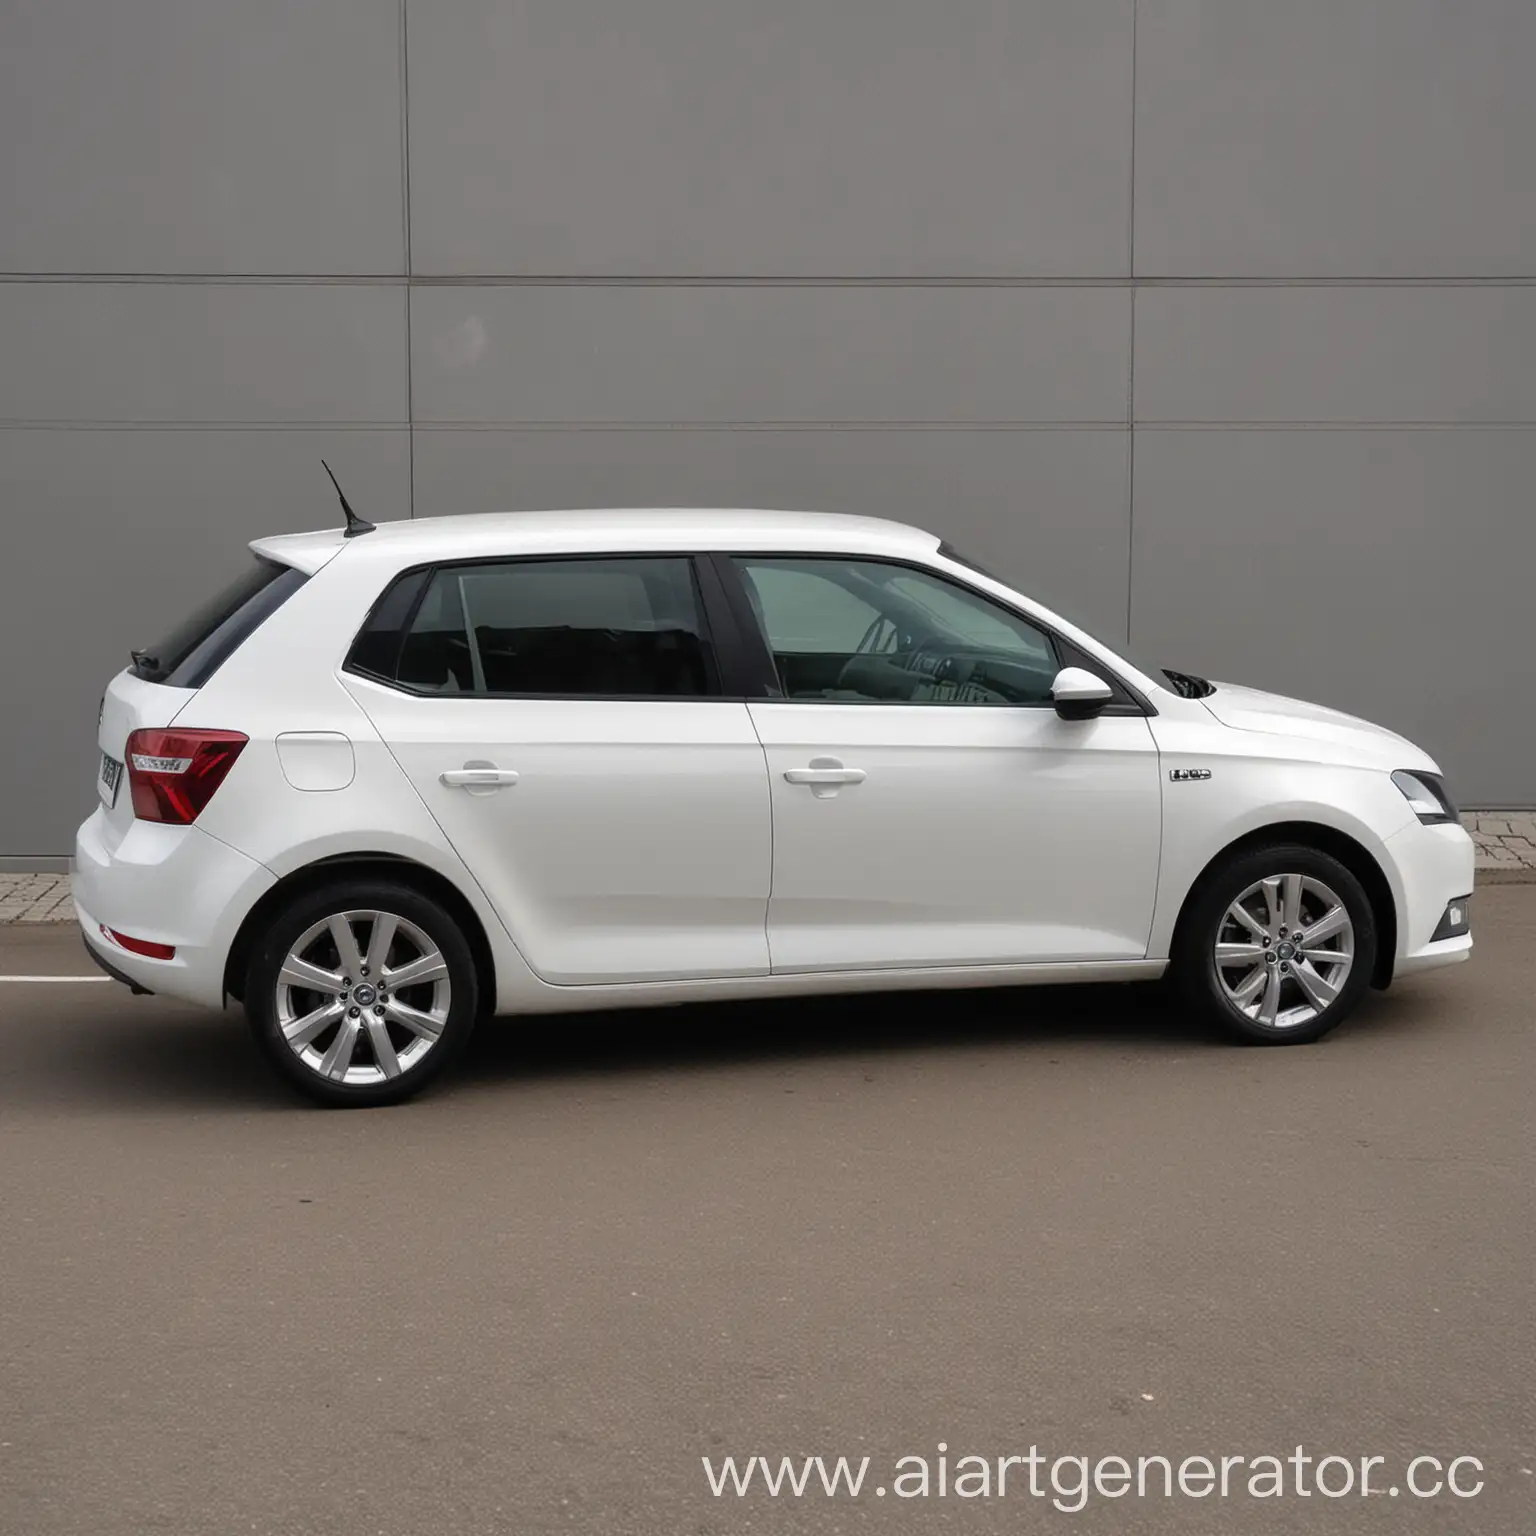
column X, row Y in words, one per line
column 173, row 773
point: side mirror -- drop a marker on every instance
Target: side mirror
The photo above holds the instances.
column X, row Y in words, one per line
column 1078, row 694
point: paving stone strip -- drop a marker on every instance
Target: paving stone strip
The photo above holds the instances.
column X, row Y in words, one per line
column 35, row 899
column 1506, row 850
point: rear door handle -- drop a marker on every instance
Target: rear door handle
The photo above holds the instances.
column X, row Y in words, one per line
column 481, row 776
column 825, row 776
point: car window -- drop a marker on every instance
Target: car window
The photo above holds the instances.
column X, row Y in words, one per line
column 806, row 611
column 1084, row 622
column 198, row 646
column 869, row 631
column 970, row 616
column 578, row 628
column 435, row 655
column 378, row 646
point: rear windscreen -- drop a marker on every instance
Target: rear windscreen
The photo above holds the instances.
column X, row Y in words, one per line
column 206, row 638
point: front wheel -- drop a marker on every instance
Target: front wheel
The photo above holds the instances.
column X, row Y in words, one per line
column 361, row 992
column 1278, row 945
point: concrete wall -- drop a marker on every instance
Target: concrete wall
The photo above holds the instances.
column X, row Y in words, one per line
column 1213, row 319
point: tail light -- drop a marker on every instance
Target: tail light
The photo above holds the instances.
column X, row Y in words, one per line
column 173, row 773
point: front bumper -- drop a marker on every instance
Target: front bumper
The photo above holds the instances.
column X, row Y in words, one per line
column 170, row 885
column 1433, row 867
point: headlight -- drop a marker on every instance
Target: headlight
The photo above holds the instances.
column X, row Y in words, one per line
column 1427, row 797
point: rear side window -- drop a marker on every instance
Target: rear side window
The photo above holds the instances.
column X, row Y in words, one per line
column 609, row 628
column 376, row 651
column 209, row 636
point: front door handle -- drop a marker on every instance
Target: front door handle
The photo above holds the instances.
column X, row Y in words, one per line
column 825, row 776
column 478, row 778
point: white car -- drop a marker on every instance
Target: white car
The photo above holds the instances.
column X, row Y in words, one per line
column 399, row 778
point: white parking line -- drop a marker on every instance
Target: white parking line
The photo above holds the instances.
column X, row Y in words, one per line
column 55, row 978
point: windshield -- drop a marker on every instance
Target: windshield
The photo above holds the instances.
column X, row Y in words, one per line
column 1185, row 683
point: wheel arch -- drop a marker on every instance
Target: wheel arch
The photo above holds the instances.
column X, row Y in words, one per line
column 1352, row 854
column 387, row 866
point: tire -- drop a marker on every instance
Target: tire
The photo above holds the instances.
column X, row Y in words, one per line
column 357, row 1045
column 1296, row 997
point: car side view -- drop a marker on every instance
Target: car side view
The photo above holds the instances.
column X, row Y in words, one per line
column 397, row 779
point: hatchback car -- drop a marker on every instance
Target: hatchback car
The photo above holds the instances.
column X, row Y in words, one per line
column 387, row 784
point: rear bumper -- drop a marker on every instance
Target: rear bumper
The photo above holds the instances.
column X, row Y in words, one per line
column 170, row 885
column 103, row 964
column 1434, row 867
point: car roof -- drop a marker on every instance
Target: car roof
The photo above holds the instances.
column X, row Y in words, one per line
column 597, row 530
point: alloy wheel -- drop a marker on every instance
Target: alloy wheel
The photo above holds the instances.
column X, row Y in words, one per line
column 363, row 997
column 1284, row 950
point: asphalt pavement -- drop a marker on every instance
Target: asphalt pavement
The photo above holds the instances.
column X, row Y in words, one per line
column 607, row 1248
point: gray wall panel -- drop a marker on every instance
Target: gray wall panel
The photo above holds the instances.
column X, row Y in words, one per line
column 200, row 136
column 1450, row 354
column 126, row 531
column 858, row 254
column 730, row 137
column 720, row 354
column 202, row 352
column 1045, row 508
column 1376, row 571
column 1315, row 138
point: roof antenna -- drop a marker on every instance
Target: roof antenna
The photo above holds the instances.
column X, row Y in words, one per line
column 355, row 524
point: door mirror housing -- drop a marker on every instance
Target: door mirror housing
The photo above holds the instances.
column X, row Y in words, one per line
column 1078, row 694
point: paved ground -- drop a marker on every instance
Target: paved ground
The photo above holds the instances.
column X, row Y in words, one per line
column 1506, row 849
column 531, row 1302
column 35, row 899
column 1506, row 840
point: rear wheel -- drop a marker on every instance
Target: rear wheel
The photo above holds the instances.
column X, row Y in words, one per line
column 360, row 993
column 1278, row 946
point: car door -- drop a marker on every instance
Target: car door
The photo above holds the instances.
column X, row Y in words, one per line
column 563, row 721
column 930, row 808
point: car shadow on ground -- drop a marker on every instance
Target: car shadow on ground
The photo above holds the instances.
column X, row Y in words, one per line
column 140, row 1054
column 710, row 1034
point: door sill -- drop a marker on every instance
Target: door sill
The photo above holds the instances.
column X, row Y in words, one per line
column 547, row 997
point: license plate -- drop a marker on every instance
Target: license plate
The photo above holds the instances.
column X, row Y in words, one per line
column 110, row 777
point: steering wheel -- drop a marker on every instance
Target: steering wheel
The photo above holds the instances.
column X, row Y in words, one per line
column 866, row 646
